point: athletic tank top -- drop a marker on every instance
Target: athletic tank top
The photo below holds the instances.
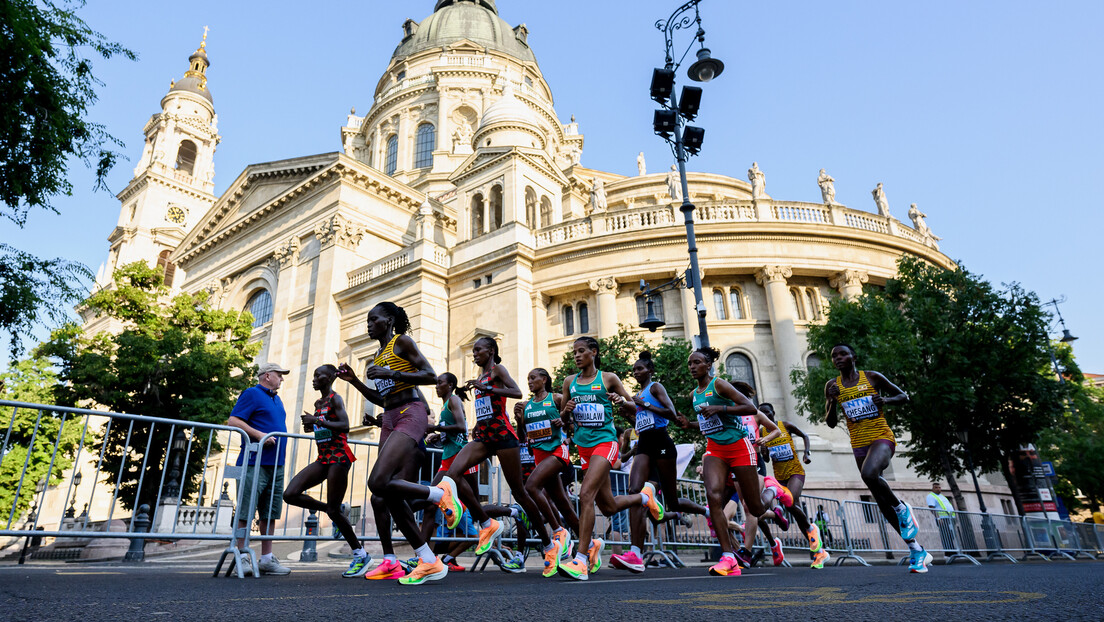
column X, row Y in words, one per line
column 593, row 412
column 451, row 443
column 329, row 442
column 782, row 449
column 646, row 419
column 539, row 431
column 491, row 422
column 865, row 420
column 388, row 359
column 721, row 429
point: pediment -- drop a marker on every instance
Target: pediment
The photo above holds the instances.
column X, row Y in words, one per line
column 486, row 159
column 465, row 45
column 477, row 334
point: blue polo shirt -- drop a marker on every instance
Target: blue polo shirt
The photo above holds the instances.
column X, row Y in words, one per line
column 263, row 410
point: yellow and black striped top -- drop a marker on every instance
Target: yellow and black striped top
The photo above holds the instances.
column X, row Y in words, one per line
column 387, row 358
column 865, row 420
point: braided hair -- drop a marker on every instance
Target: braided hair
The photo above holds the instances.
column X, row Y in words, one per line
column 494, row 348
column 400, row 323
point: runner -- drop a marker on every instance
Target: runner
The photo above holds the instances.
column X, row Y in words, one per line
column 396, row 370
column 789, row 472
column 593, row 394
column 728, row 449
column 863, row 396
column 654, row 457
column 747, row 555
column 330, row 425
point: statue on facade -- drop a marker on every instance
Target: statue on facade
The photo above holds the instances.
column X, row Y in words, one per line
column 881, row 201
column 758, row 180
column 921, row 226
column 827, row 188
column 597, row 196
column 641, row 169
column 674, row 184
column 461, row 137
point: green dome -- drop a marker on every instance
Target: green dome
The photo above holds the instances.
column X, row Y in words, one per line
column 454, row 20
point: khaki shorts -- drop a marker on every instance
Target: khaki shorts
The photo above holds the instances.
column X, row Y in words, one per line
column 269, row 503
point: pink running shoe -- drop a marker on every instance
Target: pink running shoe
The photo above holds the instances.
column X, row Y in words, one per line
column 780, row 492
column 776, row 552
column 628, row 561
column 727, row 567
column 780, row 518
column 386, row 570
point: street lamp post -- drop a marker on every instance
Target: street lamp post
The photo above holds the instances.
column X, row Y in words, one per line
column 685, row 140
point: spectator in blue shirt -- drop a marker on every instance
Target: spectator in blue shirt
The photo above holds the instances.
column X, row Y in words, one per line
column 258, row 412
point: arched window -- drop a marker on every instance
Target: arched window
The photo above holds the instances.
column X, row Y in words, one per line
column 719, row 305
column 186, row 157
column 812, row 361
column 166, row 267
column 260, row 305
column 531, row 207
column 476, row 216
column 423, row 151
column 799, row 308
column 568, row 320
column 392, row 161
column 735, row 303
column 584, row 318
column 546, row 212
column 814, row 304
column 739, row 368
column 642, row 306
column 496, row 207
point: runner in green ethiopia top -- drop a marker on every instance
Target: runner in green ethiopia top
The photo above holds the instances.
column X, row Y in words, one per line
column 451, row 442
column 723, row 428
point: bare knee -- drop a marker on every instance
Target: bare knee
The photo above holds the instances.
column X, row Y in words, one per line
column 378, row 484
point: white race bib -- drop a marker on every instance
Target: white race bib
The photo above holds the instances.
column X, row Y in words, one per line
column 644, row 420
column 710, row 425
column 590, row 415
column 538, row 430
column 384, row 385
column 781, row 453
column 860, row 408
column 751, row 425
column 483, row 408
column 526, row 455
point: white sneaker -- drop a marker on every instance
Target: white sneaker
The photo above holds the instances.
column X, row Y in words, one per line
column 272, row 566
column 246, row 566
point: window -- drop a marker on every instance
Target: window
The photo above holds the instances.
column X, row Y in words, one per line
column 260, row 305
column 812, row 361
column 799, row 309
column 186, row 157
column 719, row 305
column 477, row 283
column 423, row 152
column 166, row 267
column 568, row 320
column 735, row 305
column 814, row 303
column 496, row 207
column 642, row 306
column 392, row 161
column 545, row 212
column 584, row 318
column 527, row 80
column 476, row 216
column 488, row 279
column 739, row 368
column 530, row 207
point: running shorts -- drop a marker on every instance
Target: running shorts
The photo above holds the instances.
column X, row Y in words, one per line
column 447, row 463
column 656, row 444
column 738, row 454
column 411, row 419
column 561, row 453
column 607, row 450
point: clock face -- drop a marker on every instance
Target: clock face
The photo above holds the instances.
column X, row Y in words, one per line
column 176, row 215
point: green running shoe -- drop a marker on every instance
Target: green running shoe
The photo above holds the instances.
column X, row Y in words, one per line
column 358, row 567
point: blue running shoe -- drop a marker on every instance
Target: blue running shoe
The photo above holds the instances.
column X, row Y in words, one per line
column 909, row 527
column 919, row 560
column 522, row 518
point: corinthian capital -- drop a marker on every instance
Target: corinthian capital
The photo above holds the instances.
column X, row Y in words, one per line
column 288, row 252
column 848, row 278
column 773, row 274
column 604, row 284
column 337, row 229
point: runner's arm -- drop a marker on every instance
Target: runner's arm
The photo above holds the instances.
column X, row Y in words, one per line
column 889, row 393
column 796, row 431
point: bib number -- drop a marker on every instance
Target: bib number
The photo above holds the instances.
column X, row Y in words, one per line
column 539, row 430
column 860, row 408
column 781, row 453
column 483, row 408
column 751, row 425
column 384, row 385
column 710, row 425
column 526, row 455
column 590, row 415
column 322, row 434
column 644, row 420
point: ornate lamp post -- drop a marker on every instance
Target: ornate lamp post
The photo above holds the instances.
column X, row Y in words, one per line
column 72, row 511
column 173, row 488
column 685, row 140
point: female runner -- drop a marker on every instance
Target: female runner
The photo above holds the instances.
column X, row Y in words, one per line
column 728, row 449
column 330, row 425
column 398, row 367
column 863, row 396
column 593, row 394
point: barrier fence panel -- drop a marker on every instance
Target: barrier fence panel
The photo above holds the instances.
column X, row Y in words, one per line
column 1040, row 540
column 993, row 536
column 868, row 531
column 835, row 534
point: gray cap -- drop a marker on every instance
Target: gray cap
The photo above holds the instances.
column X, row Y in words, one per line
column 267, row 367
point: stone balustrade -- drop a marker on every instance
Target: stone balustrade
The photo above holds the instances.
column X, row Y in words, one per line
column 421, row 250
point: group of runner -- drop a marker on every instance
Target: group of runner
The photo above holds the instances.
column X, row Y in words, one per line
column 533, row 453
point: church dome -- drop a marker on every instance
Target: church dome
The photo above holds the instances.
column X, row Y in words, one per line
column 511, row 122
column 193, row 85
column 508, row 110
column 455, row 20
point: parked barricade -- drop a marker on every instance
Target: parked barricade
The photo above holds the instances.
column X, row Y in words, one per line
column 829, row 516
column 994, row 536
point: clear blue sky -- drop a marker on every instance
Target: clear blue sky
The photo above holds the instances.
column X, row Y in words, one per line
column 985, row 114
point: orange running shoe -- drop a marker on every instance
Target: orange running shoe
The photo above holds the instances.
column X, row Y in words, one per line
column 727, row 567
column 814, row 538
column 594, row 554
column 574, row 569
column 780, row 492
column 822, row 556
column 450, row 504
column 487, row 536
column 551, row 559
column 432, row 571
column 386, row 570
column 655, row 508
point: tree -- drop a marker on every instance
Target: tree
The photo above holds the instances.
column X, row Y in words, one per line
column 972, row 358
column 47, row 87
column 174, row 359
column 31, row 380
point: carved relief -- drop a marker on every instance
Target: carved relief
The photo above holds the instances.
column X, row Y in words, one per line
column 604, row 284
column 773, row 274
column 848, row 278
column 288, row 253
column 337, row 229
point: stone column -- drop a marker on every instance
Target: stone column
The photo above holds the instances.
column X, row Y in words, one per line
column 849, row 282
column 540, row 329
column 607, row 305
column 787, row 346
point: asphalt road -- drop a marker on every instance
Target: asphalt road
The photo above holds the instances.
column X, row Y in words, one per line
column 185, row 590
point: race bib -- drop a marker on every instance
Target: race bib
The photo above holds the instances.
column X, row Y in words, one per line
column 781, row 453
column 526, row 455
column 590, row 415
column 751, row 425
column 860, row 408
column 710, row 425
column 483, row 408
column 384, row 385
column 644, row 420
column 322, row 434
column 539, row 430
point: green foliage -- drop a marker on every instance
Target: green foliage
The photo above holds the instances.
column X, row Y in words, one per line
column 1076, row 443
column 174, row 359
column 970, row 356
column 31, row 288
column 32, row 380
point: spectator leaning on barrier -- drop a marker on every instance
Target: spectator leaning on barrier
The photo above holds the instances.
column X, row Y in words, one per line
column 944, row 516
column 258, row 412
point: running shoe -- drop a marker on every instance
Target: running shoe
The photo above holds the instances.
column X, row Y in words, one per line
column 743, row 557
column 551, row 558
column 515, row 565
column 410, row 563
column 272, row 566
column 685, row 519
column 820, row 559
column 727, row 567
column 919, row 560
column 450, row 504
column 433, row 571
column 453, row 566
column 756, row 557
column 909, row 526
column 386, row 570
column 246, row 565
column 594, row 554
column 776, row 552
column 709, row 523
column 780, row 492
column 574, row 569
column 562, row 538
column 655, row 508
column 628, row 561
column 780, row 518
column 358, row 567
column 814, row 538
column 487, row 536
column 522, row 518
